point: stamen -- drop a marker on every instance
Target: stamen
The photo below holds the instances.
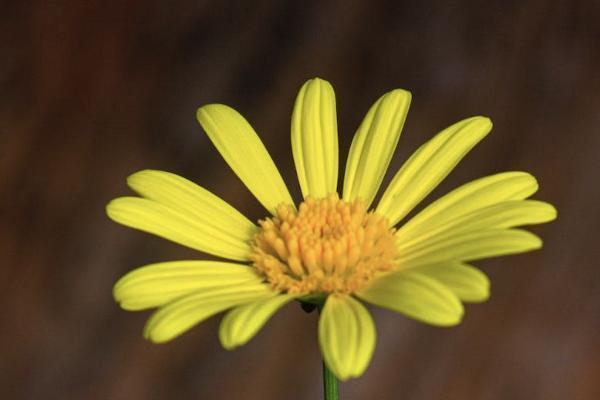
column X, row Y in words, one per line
column 328, row 245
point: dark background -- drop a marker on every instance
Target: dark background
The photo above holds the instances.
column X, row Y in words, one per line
column 91, row 91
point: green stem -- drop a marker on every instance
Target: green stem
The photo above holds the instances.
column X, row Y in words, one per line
column 330, row 384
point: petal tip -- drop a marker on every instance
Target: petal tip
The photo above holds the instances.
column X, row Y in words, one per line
column 137, row 179
column 401, row 93
column 452, row 319
column 316, row 83
column 226, row 341
column 319, row 84
column 111, row 209
column 484, row 296
column 486, row 122
column 534, row 242
column 552, row 212
column 117, row 292
column 229, row 346
column 116, row 208
column 154, row 335
column 203, row 114
column 318, row 80
column 142, row 174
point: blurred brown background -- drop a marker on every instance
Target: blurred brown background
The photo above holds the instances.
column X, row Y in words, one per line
column 91, row 91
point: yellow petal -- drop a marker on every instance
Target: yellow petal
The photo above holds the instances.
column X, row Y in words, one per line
column 429, row 165
column 242, row 323
column 315, row 139
column 182, row 314
column 468, row 283
column 470, row 246
column 374, row 144
column 158, row 284
column 472, row 196
column 416, row 296
column 192, row 200
column 503, row 215
column 161, row 220
column 346, row 336
column 242, row 149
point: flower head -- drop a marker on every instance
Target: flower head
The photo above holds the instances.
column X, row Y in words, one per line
column 327, row 246
column 336, row 251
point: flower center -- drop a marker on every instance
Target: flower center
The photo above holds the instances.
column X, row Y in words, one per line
column 329, row 245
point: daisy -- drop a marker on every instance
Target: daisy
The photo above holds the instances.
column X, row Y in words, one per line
column 335, row 251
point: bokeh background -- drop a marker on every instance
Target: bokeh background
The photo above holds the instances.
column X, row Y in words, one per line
column 91, row 91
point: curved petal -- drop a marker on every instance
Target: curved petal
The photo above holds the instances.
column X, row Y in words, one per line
column 157, row 284
column 315, row 139
column 242, row 323
column 166, row 222
column 374, row 144
column 472, row 196
column 242, row 149
column 468, row 283
column 192, row 200
column 416, row 296
column 431, row 163
column 498, row 216
column 470, row 246
column 182, row 314
column 346, row 336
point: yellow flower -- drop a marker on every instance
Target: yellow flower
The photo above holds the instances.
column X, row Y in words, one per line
column 329, row 250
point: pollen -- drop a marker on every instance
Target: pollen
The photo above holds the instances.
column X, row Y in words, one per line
column 328, row 245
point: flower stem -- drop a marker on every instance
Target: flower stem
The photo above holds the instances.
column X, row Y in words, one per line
column 330, row 384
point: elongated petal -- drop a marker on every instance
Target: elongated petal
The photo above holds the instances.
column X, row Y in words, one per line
column 374, row 144
column 503, row 215
column 472, row 196
column 192, row 200
column 468, row 283
column 243, row 322
column 416, row 296
column 161, row 220
column 242, row 149
column 431, row 163
column 315, row 139
column 346, row 336
column 158, row 284
column 470, row 246
column 182, row 314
